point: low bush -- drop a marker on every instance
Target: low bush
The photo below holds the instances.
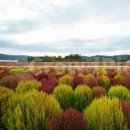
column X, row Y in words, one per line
column 30, row 111
column 126, row 81
column 90, row 80
column 99, row 91
column 105, row 114
column 66, row 79
column 5, row 95
column 25, row 86
column 126, row 110
column 64, row 94
column 18, row 70
column 119, row 91
column 48, row 85
column 78, row 80
column 68, row 120
column 82, row 97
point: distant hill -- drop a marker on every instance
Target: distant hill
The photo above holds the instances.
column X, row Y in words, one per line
column 13, row 57
column 97, row 58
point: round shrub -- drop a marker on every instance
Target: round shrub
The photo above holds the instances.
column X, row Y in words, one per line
column 126, row 81
column 90, row 80
column 66, row 79
column 78, row 80
column 25, row 86
column 119, row 91
column 48, row 85
column 99, row 91
column 30, row 111
column 118, row 77
column 126, row 110
column 82, row 97
column 12, row 81
column 68, row 120
column 5, row 95
column 105, row 114
column 18, row 70
column 64, row 94
column 103, row 81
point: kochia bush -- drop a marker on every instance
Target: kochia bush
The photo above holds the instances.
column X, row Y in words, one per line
column 25, row 86
column 30, row 111
column 68, row 120
column 119, row 91
column 82, row 97
column 105, row 114
column 64, row 94
column 126, row 110
column 66, row 79
column 78, row 80
column 99, row 91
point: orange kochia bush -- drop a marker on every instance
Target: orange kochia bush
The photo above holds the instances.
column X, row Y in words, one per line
column 68, row 120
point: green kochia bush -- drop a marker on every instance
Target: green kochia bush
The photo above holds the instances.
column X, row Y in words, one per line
column 105, row 114
column 66, row 79
column 5, row 95
column 25, row 86
column 119, row 91
column 64, row 94
column 19, row 70
column 82, row 97
column 30, row 111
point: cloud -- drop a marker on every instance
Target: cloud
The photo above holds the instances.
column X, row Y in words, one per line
column 63, row 27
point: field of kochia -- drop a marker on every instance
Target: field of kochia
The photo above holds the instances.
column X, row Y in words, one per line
column 41, row 98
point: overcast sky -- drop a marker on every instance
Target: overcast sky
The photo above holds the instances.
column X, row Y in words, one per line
column 60, row 27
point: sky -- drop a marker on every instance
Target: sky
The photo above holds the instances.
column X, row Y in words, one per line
column 62, row 27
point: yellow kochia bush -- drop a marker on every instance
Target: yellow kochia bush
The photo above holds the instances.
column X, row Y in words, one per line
column 105, row 114
column 25, row 86
column 30, row 111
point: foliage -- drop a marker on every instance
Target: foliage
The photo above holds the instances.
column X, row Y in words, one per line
column 11, row 81
column 90, row 80
column 82, row 97
column 5, row 95
column 105, row 114
column 30, row 111
column 66, row 79
column 64, row 94
column 126, row 81
column 48, row 85
column 25, row 86
column 99, row 91
column 126, row 110
column 78, row 80
column 18, row 70
column 68, row 120
column 119, row 91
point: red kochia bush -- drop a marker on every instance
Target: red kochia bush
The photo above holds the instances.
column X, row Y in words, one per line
column 78, row 80
column 41, row 76
column 99, row 91
column 12, row 81
column 114, row 82
column 48, row 85
column 68, row 120
column 126, row 81
column 126, row 110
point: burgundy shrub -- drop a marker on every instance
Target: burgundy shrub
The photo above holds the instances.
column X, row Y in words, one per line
column 68, row 120
column 99, row 91
column 77, row 80
column 11, row 81
column 126, row 81
column 3, row 72
column 126, row 111
column 40, row 76
column 114, row 82
column 48, row 85
column 100, row 81
column 111, row 72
